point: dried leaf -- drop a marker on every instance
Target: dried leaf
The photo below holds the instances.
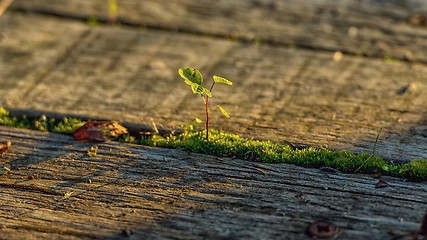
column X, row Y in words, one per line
column 99, row 131
column 4, row 149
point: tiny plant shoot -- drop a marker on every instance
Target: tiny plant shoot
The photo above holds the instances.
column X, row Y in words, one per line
column 194, row 79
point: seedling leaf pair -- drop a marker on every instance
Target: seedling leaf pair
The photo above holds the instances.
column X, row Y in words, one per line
column 191, row 76
column 194, row 78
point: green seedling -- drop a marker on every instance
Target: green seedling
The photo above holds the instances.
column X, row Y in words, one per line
column 194, row 79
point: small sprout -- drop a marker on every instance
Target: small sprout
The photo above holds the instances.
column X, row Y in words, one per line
column 191, row 126
column 194, row 79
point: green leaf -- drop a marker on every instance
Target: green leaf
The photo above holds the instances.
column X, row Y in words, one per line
column 198, row 120
column 222, row 80
column 197, row 89
column 191, row 76
column 207, row 92
column 225, row 113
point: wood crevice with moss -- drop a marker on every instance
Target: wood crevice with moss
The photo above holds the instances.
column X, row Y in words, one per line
column 232, row 145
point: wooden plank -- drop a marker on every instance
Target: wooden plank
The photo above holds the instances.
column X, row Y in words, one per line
column 280, row 94
column 55, row 190
column 369, row 28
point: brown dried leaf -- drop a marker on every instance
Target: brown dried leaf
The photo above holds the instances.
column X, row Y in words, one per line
column 99, row 131
column 116, row 129
column 4, row 149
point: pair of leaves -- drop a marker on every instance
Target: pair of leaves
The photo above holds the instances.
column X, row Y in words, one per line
column 194, row 78
column 99, row 131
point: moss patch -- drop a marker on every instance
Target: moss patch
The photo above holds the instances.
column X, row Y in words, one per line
column 65, row 125
column 232, row 145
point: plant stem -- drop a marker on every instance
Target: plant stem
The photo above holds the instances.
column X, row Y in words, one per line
column 212, row 87
column 207, row 112
column 207, row 117
column 206, row 101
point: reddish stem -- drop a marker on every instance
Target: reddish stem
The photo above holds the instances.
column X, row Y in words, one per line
column 207, row 112
column 207, row 117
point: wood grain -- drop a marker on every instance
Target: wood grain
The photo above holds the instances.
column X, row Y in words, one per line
column 368, row 28
column 171, row 194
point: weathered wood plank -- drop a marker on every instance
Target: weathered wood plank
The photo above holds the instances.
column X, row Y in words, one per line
column 370, row 28
column 302, row 96
column 163, row 193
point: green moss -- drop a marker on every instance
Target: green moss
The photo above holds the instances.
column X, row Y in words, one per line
column 415, row 170
column 7, row 120
column 67, row 125
column 232, row 145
